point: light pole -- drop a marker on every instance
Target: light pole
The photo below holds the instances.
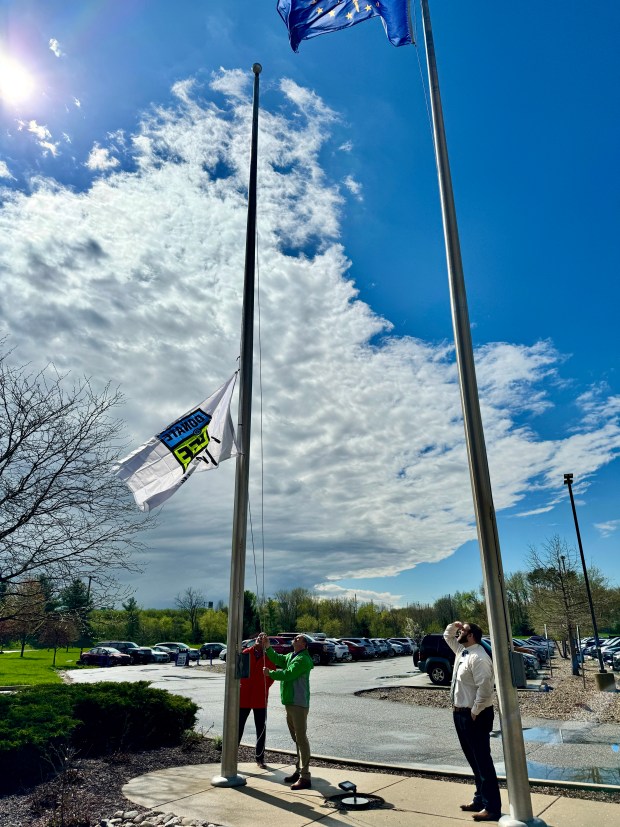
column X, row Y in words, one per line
column 568, row 480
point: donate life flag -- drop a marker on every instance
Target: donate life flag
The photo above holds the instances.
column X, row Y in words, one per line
column 197, row 441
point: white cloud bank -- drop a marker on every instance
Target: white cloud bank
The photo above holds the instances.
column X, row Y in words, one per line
column 139, row 279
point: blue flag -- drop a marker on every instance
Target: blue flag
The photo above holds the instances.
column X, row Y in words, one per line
column 309, row 18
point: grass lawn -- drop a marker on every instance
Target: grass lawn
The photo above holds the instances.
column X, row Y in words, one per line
column 36, row 666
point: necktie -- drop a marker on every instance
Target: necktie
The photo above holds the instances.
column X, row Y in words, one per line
column 455, row 670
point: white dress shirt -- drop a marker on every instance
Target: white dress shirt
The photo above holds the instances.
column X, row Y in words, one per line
column 472, row 681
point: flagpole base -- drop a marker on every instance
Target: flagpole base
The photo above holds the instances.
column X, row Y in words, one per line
column 228, row 781
column 509, row 821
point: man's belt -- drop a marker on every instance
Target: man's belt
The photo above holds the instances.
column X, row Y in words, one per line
column 461, row 708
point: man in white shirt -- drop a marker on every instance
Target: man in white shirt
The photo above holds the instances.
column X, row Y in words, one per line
column 471, row 694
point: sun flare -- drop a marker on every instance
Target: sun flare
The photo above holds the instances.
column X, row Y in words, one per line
column 16, row 84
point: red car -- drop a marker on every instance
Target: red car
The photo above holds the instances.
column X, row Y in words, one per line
column 278, row 644
column 356, row 650
column 104, row 656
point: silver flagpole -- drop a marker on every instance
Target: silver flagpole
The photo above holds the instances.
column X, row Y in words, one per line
column 501, row 632
column 229, row 776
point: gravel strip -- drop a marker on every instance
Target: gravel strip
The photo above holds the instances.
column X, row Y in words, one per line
column 567, row 699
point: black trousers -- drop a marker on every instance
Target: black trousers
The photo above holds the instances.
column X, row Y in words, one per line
column 474, row 737
column 260, row 722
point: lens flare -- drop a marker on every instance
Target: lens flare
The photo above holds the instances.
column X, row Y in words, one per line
column 16, row 84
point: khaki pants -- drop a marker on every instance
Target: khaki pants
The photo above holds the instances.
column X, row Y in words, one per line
column 297, row 720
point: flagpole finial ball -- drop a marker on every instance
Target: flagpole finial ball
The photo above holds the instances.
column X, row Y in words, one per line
column 257, row 68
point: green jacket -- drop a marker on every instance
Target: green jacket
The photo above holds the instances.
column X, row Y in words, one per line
column 294, row 676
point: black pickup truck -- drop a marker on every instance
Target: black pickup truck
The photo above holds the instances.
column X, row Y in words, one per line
column 321, row 651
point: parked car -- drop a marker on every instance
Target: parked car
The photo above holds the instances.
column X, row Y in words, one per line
column 397, row 648
column 321, row 651
column 544, row 647
column 127, row 647
column 154, row 654
column 223, row 655
column 591, row 651
column 280, row 645
column 104, row 656
column 356, row 650
column 615, row 663
column 369, row 649
column 192, row 654
column 531, row 665
column 519, row 646
column 341, row 650
column 609, row 652
column 385, row 650
column 405, row 644
column 436, row 658
column 372, row 646
column 211, row 651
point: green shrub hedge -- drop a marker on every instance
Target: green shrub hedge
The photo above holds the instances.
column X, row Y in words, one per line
column 95, row 719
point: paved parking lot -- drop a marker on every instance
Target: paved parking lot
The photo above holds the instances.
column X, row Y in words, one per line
column 369, row 729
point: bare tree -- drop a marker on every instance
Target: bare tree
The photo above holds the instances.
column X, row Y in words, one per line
column 556, row 591
column 62, row 513
column 191, row 602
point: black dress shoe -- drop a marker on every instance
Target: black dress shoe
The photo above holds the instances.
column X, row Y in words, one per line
column 471, row 808
column 290, row 779
column 302, row 784
column 484, row 815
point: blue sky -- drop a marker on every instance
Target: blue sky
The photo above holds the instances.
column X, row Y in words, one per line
column 123, row 164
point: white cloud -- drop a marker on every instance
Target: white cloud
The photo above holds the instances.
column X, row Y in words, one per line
column 139, row 279
column 42, row 135
column 4, row 170
column 101, row 160
column 55, row 47
column 347, row 146
column 608, row 528
column 331, row 590
column 354, row 187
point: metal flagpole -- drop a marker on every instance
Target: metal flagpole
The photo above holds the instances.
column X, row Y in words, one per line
column 229, row 776
column 500, row 628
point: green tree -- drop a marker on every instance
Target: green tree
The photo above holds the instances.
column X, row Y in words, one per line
column 76, row 602
column 290, row 603
column 307, row 624
column 214, row 626
column 132, row 619
column 269, row 612
column 251, row 619
column 518, row 595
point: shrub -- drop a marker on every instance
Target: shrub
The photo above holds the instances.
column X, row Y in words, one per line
column 94, row 719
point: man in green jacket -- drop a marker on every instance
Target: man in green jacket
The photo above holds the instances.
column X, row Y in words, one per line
column 294, row 677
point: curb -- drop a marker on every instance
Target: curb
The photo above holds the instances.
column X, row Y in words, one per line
column 423, row 768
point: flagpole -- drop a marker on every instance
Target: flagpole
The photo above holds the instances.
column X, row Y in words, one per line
column 500, row 628
column 229, row 776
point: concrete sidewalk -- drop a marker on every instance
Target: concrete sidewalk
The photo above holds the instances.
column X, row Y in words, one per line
column 266, row 800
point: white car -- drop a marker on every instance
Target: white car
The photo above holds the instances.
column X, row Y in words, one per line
column 398, row 649
column 342, row 650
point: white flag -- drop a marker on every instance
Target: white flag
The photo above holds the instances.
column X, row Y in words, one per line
column 197, row 441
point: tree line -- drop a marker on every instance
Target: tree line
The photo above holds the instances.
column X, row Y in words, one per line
column 548, row 596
